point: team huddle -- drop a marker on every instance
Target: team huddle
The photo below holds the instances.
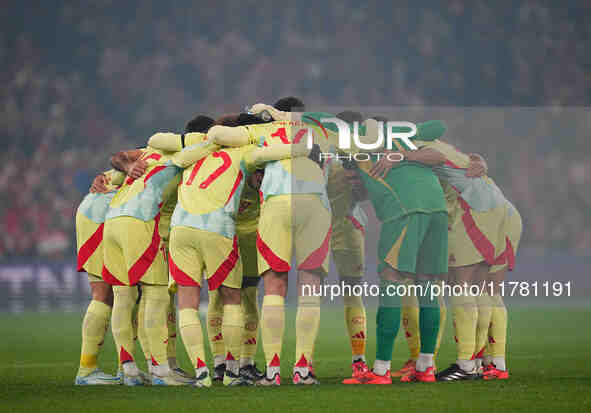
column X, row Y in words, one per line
column 243, row 198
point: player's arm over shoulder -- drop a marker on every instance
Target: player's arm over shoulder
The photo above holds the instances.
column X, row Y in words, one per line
column 257, row 157
column 173, row 142
column 229, row 135
column 474, row 163
column 193, row 153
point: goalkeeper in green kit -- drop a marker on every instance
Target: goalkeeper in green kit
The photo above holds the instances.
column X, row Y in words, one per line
column 410, row 204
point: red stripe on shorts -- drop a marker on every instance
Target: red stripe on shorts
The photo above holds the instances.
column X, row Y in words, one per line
column 179, row 275
column 510, row 252
column 220, row 275
column 317, row 257
column 482, row 244
column 276, row 263
column 89, row 247
column 507, row 256
column 139, row 269
column 110, row 278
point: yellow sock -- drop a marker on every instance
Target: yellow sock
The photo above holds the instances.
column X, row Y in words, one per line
column 141, row 330
column 171, row 325
column 250, row 310
column 355, row 320
column 410, row 323
column 442, row 319
column 124, row 299
column 307, row 324
column 190, row 327
column 483, row 323
column 215, row 314
column 464, row 315
column 232, row 329
column 94, row 327
column 497, row 332
column 272, row 327
column 157, row 302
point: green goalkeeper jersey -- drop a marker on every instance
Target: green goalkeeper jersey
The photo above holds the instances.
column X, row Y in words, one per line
column 409, row 187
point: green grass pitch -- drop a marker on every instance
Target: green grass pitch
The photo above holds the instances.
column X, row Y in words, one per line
column 549, row 351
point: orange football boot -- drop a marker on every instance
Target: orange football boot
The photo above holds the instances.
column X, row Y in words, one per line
column 406, row 369
column 427, row 376
column 492, row 373
column 370, row 378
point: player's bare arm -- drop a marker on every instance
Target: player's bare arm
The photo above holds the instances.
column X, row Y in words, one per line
column 99, row 184
column 130, row 163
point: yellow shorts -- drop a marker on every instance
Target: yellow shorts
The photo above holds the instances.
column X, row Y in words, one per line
column 293, row 225
column 194, row 251
column 347, row 242
column 491, row 237
column 89, row 240
column 133, row 252
column 247, row 244
column 512, row 229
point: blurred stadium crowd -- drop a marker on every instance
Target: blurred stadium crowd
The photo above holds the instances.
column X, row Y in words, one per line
column 82, row 80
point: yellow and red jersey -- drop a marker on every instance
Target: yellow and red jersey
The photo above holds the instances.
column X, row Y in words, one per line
column 94, row 206
column 210, row 191
column 299, row 175
column 483, row 224
column 144, row 197
column 90, row 218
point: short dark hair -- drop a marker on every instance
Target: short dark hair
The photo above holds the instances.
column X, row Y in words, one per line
column 350, row 116
column 248, row 119
column 199, row 123
column 379, row 118
column 228, row 120
column 289, row 103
